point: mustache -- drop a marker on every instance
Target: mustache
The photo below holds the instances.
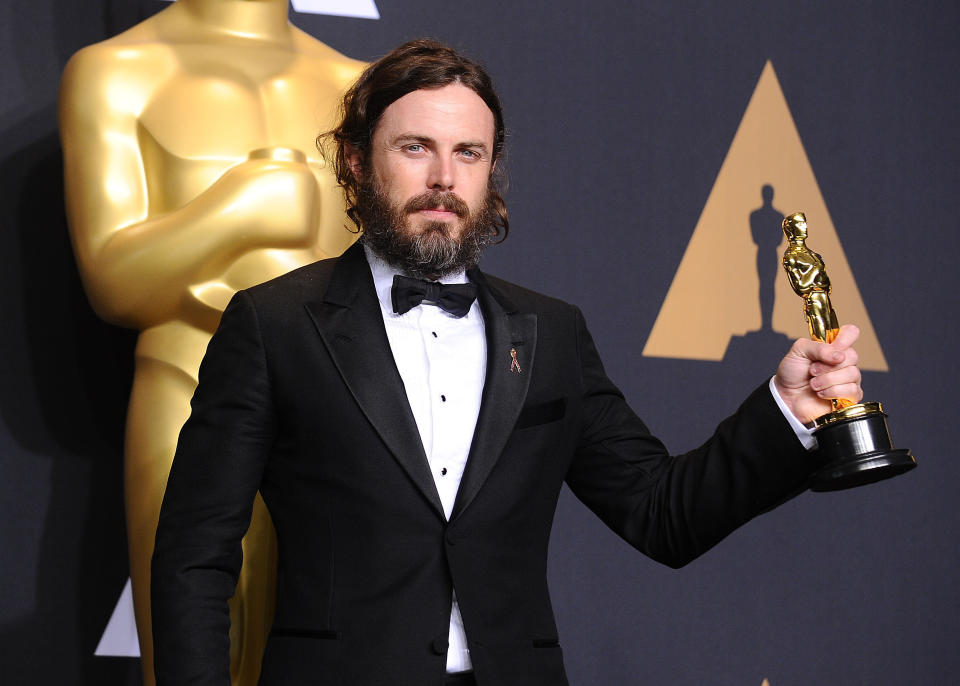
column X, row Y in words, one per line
column 432, row 200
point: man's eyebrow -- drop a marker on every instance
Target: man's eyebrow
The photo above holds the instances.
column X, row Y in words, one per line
column 479, row 145
column 411, row 138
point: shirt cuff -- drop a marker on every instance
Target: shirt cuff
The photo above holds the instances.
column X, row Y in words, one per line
column 804, row 435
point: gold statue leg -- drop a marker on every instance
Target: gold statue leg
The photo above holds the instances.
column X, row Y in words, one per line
column 251, row 608
column 817, row 311
column 159, row 405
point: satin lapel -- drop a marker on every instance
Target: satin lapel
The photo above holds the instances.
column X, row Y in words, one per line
column 349, row 322
column 504, row 390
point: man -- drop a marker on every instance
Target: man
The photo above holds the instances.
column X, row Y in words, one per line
column 411, row 441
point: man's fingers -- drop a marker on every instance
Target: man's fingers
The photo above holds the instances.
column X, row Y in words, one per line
column 833, row 354
column 816, row 351
column 836, row 353
column 850, row 391
column 840, row 383
column 814, row 372
column 847, row 358
column 846, row 337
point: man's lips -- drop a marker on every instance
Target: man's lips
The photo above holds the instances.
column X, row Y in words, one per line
column 438, row 213
column 438, row 206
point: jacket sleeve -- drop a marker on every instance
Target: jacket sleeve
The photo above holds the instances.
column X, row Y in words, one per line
column 208, row 502
column 674, row 508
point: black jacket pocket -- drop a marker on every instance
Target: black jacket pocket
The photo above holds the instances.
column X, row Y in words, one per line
column 542, row 413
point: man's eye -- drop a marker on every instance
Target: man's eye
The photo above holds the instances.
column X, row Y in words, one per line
column 413, row 147
column 473, row 154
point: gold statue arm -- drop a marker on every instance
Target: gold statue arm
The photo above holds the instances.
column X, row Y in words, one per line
column 137, row 266
column 806, row 272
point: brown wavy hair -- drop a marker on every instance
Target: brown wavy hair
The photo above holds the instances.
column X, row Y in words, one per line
column 419, row 64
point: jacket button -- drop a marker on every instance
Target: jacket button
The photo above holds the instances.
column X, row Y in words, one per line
column 439, row 646
column 451, row 540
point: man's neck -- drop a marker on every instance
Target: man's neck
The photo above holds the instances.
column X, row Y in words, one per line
column 457, row 276
column 265, row 20
column 381, row 267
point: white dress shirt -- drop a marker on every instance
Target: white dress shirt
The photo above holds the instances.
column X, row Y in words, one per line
column 442, row 360
column 803, row 433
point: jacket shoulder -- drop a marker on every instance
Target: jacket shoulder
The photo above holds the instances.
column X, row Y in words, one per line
column 308, row 282
column 526, row 300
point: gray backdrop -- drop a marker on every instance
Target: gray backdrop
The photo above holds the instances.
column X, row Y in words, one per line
column 620, row 115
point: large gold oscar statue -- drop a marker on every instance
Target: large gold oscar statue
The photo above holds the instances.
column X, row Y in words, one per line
column 190, row 173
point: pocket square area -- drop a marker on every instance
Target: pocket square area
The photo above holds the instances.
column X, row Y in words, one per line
column 541, row 413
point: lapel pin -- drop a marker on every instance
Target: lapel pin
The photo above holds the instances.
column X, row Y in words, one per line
column 514, row 364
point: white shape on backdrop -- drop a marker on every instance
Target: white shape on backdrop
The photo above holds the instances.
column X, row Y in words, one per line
column 361, row 9
column 120, row 637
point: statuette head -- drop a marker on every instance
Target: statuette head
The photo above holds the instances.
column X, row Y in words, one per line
column 795, row 226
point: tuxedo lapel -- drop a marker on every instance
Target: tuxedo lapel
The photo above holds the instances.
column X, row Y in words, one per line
column 511, row 341
column 349, row 321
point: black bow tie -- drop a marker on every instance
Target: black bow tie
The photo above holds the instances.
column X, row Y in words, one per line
column 455, row 298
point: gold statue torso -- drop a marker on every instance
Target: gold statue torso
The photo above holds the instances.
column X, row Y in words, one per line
column 182, row 117
column 810, row 281
column 191, row 172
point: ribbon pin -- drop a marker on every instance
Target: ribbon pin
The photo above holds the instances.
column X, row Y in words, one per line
column 514, row 364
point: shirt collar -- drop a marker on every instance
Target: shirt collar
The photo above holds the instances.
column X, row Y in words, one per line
column 383, row 274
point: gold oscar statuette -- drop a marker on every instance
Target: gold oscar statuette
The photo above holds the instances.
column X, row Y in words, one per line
column 853, row 438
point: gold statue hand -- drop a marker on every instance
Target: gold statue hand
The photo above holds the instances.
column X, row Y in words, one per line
column 137, row 274
column 157, row 209
column 801, row 271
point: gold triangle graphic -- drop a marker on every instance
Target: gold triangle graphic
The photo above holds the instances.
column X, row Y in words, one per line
column 715, row 293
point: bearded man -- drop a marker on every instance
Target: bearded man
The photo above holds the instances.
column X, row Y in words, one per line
column 410, row 420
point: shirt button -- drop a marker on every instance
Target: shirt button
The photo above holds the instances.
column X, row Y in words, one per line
column 443, row 398
column 443, row 471
column 434, row 333
column 439, row 646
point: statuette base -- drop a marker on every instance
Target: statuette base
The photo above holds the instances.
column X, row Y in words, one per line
column 856, row 444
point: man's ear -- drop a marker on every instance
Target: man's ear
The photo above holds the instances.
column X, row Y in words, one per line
column 354, row 161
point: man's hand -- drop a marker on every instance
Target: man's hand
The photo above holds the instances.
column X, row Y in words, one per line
column 813, row 372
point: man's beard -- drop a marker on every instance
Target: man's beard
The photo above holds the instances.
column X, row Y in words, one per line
column 432, row 253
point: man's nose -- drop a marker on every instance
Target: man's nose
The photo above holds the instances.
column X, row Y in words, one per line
column 441, row 174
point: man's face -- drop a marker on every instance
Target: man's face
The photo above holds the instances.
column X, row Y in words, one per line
column 431, row 142
column 424, row 202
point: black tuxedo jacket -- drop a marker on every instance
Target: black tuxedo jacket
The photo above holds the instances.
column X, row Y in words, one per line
column 300, row 398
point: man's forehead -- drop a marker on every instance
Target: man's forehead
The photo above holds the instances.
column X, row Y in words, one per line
column 452, row 110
